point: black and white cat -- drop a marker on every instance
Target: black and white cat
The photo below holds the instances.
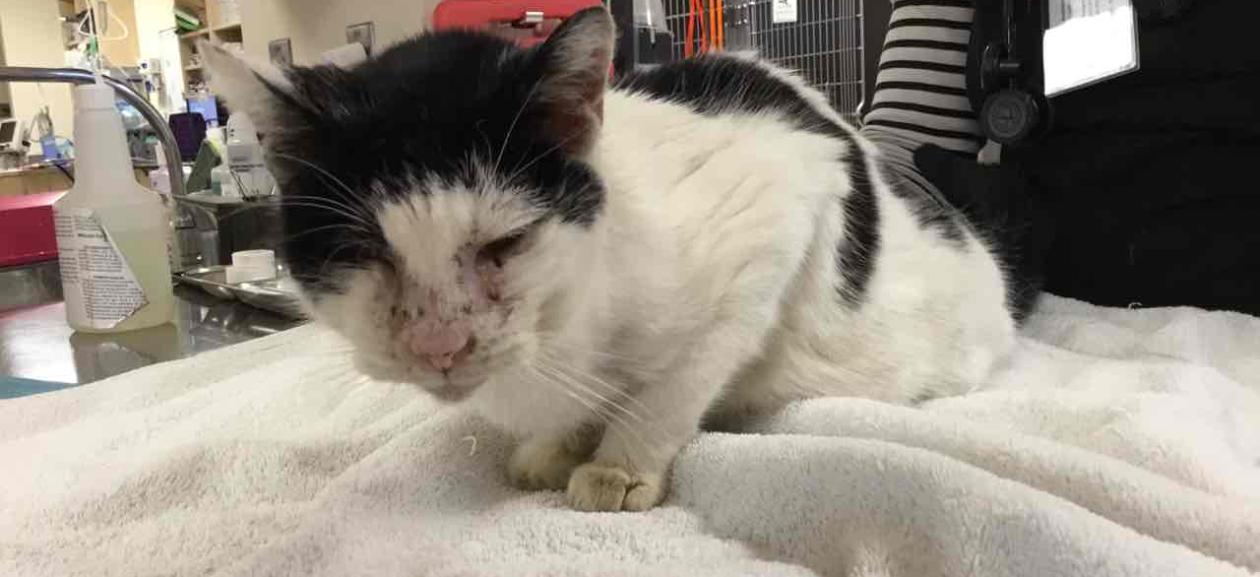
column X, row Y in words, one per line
column 599, row 270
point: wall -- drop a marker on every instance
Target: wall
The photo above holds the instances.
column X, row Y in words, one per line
column 31, row 33
column 314, row 26
column 123, row 51
column 6, row 100
column 155, row 32
column 152, row 18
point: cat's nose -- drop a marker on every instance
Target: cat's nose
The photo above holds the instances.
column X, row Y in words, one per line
column 440, row 344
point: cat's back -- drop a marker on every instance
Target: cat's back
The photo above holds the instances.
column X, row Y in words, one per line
column 762, row 180
column 699, row 137
column 722, row 129
column 735, row 84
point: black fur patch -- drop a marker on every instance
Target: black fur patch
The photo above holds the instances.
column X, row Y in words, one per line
column 855, row 257
column 420, row 112
column 931, row 212
column 719, row 84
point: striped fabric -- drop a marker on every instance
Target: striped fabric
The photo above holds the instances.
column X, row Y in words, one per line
column 921, row 90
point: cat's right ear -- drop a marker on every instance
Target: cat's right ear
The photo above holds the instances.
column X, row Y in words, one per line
column 574, row 64
column 260, row 90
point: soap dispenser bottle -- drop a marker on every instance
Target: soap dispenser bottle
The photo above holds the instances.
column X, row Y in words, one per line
column 112, row 233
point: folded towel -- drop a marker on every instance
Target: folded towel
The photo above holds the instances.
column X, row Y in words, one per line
column 1114, row 443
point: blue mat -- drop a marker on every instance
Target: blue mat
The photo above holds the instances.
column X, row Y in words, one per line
column 13, row 387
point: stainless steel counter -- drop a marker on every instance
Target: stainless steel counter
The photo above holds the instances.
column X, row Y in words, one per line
column 36, row 343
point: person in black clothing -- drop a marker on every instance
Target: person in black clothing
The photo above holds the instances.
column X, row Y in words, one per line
column 1145, row 190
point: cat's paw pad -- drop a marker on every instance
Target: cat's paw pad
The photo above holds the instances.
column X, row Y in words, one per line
column 600, row 487
column 540, row 466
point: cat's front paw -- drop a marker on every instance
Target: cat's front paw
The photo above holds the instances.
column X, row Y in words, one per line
column 604, row 487
column 542, row 465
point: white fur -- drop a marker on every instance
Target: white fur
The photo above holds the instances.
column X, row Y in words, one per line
column 720, row 236
column 707, row 285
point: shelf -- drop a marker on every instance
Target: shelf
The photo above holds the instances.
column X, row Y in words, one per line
column 226, row 29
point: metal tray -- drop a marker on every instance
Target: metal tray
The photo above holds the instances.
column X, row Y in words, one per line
column 277, row 295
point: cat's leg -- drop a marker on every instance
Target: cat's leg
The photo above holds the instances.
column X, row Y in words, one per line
column 630, row 468
column 545, row 462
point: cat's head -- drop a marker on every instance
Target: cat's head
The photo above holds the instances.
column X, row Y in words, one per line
column 438, row 209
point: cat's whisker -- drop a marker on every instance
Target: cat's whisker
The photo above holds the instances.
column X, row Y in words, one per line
column 550, row 380
column 562, row 348
column 360, row 210
column 571, row 379
column 367, row 224
column 577, row 384
column 611, row 420
column 349, row 193
column 592, row 379
column 620, row 419
column 512, row 127
column 349, row 227
column 542, row 367
column 336, row 208
column 518, row 169
column 348, row 243
column 551, row 339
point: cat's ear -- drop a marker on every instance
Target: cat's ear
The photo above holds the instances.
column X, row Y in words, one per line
column 575, row 62
column 259, row 90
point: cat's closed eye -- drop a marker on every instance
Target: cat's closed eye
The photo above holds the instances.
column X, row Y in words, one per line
column 497, row 251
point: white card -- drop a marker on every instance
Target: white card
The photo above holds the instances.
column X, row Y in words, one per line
column 1088, row 41
column 782, row 11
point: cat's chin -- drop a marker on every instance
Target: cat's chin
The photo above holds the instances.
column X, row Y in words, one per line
column 449, row 394
column 453, row 389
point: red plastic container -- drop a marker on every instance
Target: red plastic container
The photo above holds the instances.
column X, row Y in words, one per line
column 526, row 22
column 26, row 228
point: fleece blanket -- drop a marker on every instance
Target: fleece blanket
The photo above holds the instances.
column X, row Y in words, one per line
column 1113, row 443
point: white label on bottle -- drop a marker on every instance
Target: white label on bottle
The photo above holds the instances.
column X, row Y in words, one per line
column 783, row 11
column 99, row 285
column 1088, row 41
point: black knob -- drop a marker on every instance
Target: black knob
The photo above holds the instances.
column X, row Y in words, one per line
column 1009, row 116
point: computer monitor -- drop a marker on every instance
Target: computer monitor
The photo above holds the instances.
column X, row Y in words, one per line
column 207, row 107
column 8, row 133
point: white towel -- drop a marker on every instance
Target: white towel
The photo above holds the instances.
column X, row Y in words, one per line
column 1115, row 443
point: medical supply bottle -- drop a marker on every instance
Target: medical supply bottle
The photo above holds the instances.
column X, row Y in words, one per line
column 245, row 159
column 111, row 231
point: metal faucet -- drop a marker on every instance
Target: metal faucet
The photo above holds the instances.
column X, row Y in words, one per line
column 204, row 220
column 79, row 76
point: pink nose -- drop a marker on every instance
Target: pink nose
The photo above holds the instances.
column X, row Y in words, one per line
column 441, row 344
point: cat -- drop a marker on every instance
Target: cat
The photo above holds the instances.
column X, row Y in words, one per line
column 597, row 270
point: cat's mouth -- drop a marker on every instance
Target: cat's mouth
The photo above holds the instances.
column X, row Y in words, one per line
column 455, row 385
column 450, row 386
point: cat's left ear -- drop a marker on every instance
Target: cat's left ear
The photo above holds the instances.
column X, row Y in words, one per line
column 575, row 62
column 260, row 90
